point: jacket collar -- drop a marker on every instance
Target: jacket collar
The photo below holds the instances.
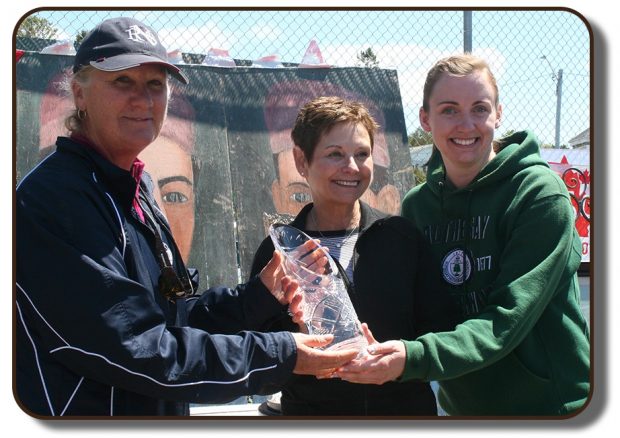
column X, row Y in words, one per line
column 118, row 181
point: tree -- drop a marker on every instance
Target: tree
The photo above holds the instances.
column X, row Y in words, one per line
column 420, row 137
column 368, row 58
column 79, row 37
column 35, row 27
column 419, row 175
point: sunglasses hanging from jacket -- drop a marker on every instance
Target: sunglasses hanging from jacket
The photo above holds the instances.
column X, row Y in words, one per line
column 172, row 285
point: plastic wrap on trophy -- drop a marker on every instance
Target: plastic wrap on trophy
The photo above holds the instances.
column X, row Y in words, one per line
column 326, row 305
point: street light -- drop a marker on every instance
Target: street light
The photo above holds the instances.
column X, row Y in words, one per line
column 558, row 93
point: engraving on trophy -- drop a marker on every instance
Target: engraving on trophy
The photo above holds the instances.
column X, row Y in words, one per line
column 326, row 305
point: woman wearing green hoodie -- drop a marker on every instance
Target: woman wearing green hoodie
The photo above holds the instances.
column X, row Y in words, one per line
column 501, row 227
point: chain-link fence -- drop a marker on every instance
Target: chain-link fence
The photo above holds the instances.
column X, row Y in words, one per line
column 541, row 57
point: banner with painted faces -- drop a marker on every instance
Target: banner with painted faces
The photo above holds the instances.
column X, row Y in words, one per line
column 223, row 164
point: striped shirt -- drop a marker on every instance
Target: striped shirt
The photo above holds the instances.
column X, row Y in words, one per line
column 341, row 246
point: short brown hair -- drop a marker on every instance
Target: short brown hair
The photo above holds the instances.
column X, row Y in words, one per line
column 457, row 65
column 320, row 115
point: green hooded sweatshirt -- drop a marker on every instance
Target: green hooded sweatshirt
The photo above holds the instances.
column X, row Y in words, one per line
column 507, row 249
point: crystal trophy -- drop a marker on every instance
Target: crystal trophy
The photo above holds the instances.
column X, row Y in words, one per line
column 326, row 305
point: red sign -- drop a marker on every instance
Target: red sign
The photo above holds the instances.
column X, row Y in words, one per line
column 577, row 180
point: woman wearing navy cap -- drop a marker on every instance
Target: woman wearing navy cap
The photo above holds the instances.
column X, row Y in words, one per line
column 107, row 321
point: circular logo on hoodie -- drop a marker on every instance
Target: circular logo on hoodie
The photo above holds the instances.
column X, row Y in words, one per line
column 456, row 267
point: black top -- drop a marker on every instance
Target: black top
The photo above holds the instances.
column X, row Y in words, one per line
column 393, row 294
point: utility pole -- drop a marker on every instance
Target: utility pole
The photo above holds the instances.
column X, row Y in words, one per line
column 558, row 108
column 558, row 96
column 467, row 32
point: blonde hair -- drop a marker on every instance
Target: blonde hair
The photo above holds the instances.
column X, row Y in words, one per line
column 72, row 122
column 457, row 65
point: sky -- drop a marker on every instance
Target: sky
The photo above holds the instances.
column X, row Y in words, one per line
column 598, row 420
column 513, row 42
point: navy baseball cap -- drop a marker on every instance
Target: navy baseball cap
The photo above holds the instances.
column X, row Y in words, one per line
column 122, row 43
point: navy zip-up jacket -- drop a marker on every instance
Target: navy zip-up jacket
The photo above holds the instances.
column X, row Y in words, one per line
column 94, row 336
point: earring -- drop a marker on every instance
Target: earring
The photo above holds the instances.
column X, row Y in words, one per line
column 81, row 114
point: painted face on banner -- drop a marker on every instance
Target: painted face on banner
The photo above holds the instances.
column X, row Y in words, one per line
column 170, row 166
column 290, row 191
column 168, row 162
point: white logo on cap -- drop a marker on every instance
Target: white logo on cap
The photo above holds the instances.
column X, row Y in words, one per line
column 141, row 35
